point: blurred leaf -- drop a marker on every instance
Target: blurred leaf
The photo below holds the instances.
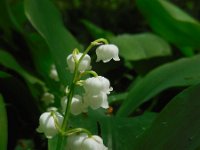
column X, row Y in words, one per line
column 9, row 61
column 52, row 143
column 171, row 22
column 5, row 20
column 141, row 46
column 182, row 72
column 3, row 125
column 96, row 31
column 17, row 11
column 4, row 74
column 118, row 132
column 117, row 97
column 46, row 19
column 40, row 54
column 177, row 126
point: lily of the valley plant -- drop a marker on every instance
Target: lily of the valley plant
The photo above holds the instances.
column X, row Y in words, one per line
column 96, row 91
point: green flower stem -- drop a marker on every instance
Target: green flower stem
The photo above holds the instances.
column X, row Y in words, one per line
column 93, row 73
column 78, row 130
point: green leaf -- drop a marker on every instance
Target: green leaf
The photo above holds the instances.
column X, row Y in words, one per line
column 183, row 72
column 46, row 19
column 4, row 74
column 5, row 20
column 3, row 125
column 141, row 46
column 171, row 22
column 118, row 132
column 96, row 31
column 52, row 143
column 9, row 61
column 117, row 97
column 177, row 126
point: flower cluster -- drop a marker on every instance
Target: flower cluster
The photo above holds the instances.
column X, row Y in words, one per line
column 96, row 90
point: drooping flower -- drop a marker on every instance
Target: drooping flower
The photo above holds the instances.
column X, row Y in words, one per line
column 47, row 124
column 107, row 52
column 95, row 85
column 84, row 64
column 83, row 142
column 96, row 101
column 77, row 105
column 74, row 141
column 93, row 143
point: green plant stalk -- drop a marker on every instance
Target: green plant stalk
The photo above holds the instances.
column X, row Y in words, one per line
column 71, row 92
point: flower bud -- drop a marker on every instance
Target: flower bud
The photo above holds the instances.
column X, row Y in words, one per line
column 77, row 105
column 107, row 52
column 95, row 85
column 84, row 64
column 47, row 123
column 53, row 73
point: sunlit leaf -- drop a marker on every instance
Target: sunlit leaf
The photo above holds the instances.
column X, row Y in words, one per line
column 171, row 22
column 141, row 46
column 182, row 72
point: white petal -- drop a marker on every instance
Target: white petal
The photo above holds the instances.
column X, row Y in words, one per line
column 74, row 141
column 95, row 85
column 47, row 124
column 93, row 143
column 107, row 52
column 96, row 101
column 84, row 64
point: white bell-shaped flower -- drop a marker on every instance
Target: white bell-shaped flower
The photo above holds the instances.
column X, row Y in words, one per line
column 83, row 142
column 107, row 52
column 74, row 141
column 84, row 64
column 47, row 124
column 95, row 85
column 77, row 105
column 96, row 101
column 93, row 143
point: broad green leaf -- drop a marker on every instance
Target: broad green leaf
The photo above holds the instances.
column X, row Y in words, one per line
column 171, row 22
column 44, row 16
column 141, row 46
column 9, row 61
column 40, row 54
column 183, row 72
column 118, row 132
column 177, row 126
column 3, row 125
column 96, row 31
